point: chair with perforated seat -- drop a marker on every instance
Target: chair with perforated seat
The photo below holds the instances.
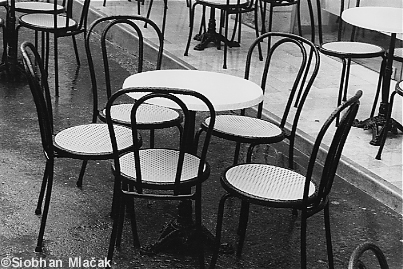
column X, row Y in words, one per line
column 152, row 117
column 302, row 73
column 356, row 262
column 160, row 173
column 60, row 25
column 83, row 142
column 346, row 51
column 277, row 187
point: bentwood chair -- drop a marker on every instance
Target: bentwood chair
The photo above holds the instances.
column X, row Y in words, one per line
column 227, row 7
column 277, row 187
column 160, row 173
column 152, row 117
column 356, row 262
column 60, row 25
column 398, row 90
column 82, row 142
column 246, row 129
column 347, row 51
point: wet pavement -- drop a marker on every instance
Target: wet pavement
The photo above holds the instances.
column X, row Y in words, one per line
column 79, row 224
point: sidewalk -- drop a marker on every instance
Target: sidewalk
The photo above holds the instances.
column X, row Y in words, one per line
column 382, row 179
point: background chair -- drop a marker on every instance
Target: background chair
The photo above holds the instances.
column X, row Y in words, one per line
column 60, row 25
column 152, row 117
column 161, row 173
column 82, row 142
column 355, row 258
column 277, row 187
column 346, row 51
column 398, row 90
column 227, row 7
column 303, row 71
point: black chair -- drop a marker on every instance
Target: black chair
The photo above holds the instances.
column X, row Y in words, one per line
column 277, row 187
column 227, row 7
column 160, row 173
column 152, row 117
column 347, row 51
column 60, row 25
column 82, row 142
column 398, row 90
column 255, row 130
column 355, row 261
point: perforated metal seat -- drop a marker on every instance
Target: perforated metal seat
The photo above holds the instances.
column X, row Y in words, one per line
column 268, row 182
column 271, row 186
column 83, row 142
column 148, row 115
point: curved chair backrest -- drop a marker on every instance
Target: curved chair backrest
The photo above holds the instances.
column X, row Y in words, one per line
column 132, row 27
column 38, row 83
column 355, row 258
column 304, row 61
column 333, row 153
column 174, row 97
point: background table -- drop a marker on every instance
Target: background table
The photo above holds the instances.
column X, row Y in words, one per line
column 387, row 20
column 225, row 92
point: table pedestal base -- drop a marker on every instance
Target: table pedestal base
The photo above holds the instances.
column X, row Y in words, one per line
column 181, row 233
column 215, row 38
column 377, row 125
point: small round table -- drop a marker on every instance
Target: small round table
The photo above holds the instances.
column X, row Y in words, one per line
column 387, row 20
column 225, row 92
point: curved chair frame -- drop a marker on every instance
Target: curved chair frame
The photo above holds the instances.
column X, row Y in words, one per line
column 163, row 117
column 272, row 186
column 82, row 142
column 356, row 263
column 170, row 170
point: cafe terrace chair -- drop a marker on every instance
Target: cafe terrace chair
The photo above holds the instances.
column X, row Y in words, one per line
column 277, row 187
column 60, row 25
column 152, row 117
column 356, row 262
column 160, row 173
column 398, row 90
column 347, row 51
column 227, row 7
column 247, row 129
column 81, row 142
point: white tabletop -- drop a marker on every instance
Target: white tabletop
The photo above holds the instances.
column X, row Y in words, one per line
column 225, row 92
column 382, row 19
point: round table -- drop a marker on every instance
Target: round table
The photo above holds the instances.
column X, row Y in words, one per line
column 225, row 92
column 386, row 20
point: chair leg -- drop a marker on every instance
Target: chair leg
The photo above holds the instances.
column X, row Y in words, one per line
column 328, row 237
column 220, row 217
column 114, row 234
column 190, row 28
column 384, row 133
column 347, row 79
column 341, row 87
column 132, row 213
column 56, row 67
column 121, row 219
column 379, row 86
column 39, row 245
column 226, row 16
column 303, row 238
column 75, row 49
column 198, row 219
column 243, row 222
column 38, row 209
column 79, row 182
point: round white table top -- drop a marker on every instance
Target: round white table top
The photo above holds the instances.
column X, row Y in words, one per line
column 382, row 19
column 31, row 7
column 225, row 92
